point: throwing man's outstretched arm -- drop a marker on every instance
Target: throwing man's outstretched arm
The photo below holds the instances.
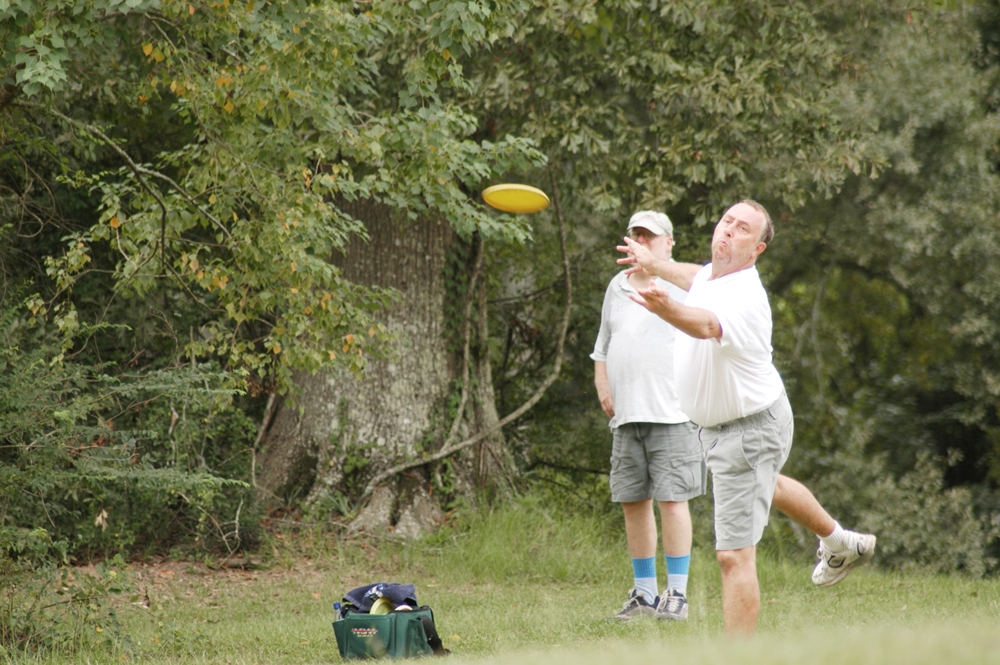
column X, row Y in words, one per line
column 694, row 321
column 680, row 274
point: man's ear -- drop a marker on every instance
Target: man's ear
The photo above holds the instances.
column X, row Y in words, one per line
column 759, row 249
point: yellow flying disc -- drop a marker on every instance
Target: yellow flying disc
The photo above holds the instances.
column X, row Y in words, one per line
column 381, row 606
column 516, row 198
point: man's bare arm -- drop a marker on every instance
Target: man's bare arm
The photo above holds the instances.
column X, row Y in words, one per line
column 604, row 388
column 694, row 321
column 681, row 274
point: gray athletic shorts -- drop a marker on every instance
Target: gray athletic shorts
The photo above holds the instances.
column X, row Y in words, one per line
column 656, row 461
column 745, row 456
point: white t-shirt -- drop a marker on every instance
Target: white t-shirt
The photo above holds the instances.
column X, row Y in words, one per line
column 719, row 381
column 637, row 346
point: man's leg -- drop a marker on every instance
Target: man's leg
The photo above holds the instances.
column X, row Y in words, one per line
column 676, row 523
column 677, row 473
column 795, row 500
column 640, row 531
column 745, row 457
column 676, row 518
column 840, row 550
column 640, row 528
column 740, row 590
column 631, row 487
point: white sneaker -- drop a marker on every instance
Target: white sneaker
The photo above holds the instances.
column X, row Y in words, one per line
column 835, row 566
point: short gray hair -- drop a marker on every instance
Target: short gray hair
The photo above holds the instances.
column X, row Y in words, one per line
column 766, row 233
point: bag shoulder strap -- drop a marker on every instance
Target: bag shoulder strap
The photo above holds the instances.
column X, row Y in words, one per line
column 433, row 639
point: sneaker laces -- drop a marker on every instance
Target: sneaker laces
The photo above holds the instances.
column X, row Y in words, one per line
column 831, row 558
column 673, row 602
column 634, row 601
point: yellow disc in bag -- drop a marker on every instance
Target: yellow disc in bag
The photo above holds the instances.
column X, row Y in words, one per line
column 382, row 606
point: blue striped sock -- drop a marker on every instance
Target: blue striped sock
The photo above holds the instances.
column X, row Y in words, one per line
column 644, row 571
column 677, row 572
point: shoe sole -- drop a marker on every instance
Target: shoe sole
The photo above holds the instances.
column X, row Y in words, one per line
column 672, row 617
column 625, row 618
column 845, row 571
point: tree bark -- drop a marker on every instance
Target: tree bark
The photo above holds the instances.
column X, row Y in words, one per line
column 342, row 431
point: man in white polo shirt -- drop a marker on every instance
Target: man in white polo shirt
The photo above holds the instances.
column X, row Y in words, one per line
column 728, row 385
column 655, row 452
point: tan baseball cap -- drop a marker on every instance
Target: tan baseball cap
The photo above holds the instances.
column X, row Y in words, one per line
column 657, row 222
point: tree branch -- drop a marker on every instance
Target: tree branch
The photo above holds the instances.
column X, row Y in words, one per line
column 140, row 171
column 467, row 335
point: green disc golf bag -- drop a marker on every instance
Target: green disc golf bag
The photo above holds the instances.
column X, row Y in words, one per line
column 398, row 634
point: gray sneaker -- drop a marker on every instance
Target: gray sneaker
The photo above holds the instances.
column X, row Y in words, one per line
column 835, row 566
column 635, row 607
column 673, row 606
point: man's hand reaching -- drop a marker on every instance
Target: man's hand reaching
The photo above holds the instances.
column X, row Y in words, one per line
column 638, row 254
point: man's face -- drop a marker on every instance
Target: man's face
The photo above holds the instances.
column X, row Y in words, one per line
column 658, row 245
column 736, row 241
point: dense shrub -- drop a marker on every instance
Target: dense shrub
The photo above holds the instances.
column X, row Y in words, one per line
column 96, row 461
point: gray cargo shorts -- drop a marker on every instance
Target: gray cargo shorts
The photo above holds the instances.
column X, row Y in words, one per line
column 745, row 456
column 656, row 461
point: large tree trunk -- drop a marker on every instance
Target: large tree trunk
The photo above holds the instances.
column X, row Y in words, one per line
column 342, row 431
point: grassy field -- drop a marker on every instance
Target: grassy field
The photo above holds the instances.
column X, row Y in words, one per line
column 529, row 585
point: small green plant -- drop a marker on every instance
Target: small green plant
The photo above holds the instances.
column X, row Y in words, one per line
column 332, row 505
column 58, row 608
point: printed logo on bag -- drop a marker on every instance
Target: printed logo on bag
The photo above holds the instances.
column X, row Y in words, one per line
column 364, row 632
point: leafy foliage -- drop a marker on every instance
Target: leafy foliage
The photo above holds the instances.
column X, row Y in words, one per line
column 181, row 168
column 678, row 106
column 883, row 294
column 662, row 103
column 95, row 463
column 886, row 299
column 258, row 125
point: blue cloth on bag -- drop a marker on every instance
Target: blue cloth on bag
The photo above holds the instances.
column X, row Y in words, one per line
column 362, row 598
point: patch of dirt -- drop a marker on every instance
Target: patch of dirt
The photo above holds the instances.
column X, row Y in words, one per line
column 197, row 584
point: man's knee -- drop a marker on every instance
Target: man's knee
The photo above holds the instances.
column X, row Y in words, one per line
column 673, row 507
column 640, row 506
column 734, row 560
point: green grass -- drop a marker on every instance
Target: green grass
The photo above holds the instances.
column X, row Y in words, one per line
column 531, row 584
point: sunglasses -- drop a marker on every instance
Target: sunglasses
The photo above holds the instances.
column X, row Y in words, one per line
column 635, row 234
